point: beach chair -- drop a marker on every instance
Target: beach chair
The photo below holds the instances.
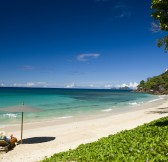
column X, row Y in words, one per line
column 4, row 145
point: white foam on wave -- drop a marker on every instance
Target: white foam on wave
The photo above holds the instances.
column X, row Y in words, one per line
column 133, row 103
column 65, row 117
column 157, row 99
column 10, row 115
column 136, row 103
column 107, row 110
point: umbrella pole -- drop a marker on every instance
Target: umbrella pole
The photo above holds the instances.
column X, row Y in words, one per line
column 21, row 127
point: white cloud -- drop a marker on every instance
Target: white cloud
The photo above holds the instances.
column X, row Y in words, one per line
column 101, row 85
column 124, row 85
column 91, row 85
column 71, row 85
column 124, row 14
column 86, row 57
column 30, row 84
column 130, row 85
column 108, row 86
column 2, row 85
column 17, row 85
column 133, row 85
column 36, row 84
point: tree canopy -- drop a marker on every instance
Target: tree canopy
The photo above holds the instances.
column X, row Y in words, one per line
column 160, row 13
column 155, row 85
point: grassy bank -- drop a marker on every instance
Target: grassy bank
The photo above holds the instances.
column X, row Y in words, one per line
column 147, row 143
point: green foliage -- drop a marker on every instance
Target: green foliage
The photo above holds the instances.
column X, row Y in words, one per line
column 144, row 143
column 163, row 42
column 142, row 82
column 155, row 85
column 160, row 13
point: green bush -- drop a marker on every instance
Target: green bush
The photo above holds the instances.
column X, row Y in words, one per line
column 147, row 143
column 156, row 85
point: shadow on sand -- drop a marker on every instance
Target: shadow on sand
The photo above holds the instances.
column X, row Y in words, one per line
column 159, row 111
column 35, row 140
column 163, row 110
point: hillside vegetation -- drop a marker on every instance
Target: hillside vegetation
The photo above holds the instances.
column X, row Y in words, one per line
column 148, row 142
column 155, row 85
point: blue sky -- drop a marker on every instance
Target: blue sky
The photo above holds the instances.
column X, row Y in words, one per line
column 78, row 43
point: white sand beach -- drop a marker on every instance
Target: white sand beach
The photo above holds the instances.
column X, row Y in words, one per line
column 46, row 138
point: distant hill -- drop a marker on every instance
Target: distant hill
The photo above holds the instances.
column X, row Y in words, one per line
column 125, row 88
column 155, row 85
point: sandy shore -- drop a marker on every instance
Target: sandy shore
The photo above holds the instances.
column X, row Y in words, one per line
column 46, row 138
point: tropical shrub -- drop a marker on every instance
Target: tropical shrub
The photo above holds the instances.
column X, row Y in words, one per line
column 146, row 143
column 156, row 85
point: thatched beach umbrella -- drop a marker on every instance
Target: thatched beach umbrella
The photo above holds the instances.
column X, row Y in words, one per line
column 20, row 108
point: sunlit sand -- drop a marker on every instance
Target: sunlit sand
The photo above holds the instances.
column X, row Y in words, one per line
column 47, row 138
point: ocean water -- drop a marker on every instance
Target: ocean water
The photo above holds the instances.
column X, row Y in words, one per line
column 67, row 103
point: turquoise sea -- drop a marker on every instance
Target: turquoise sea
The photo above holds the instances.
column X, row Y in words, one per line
column 58, row 103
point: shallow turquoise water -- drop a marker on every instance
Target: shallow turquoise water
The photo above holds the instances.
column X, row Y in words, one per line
column 66, row 103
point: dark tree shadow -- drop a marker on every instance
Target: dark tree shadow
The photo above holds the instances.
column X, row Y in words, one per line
column 157, row 112
column 35, row 140
column 162, row 110
column 162, row 124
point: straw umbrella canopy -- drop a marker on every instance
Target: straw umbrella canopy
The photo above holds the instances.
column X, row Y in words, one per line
column 20, row 108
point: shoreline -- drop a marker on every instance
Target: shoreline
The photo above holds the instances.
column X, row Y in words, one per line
column 87, row 115
column 61, row 109
column 61, row 135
